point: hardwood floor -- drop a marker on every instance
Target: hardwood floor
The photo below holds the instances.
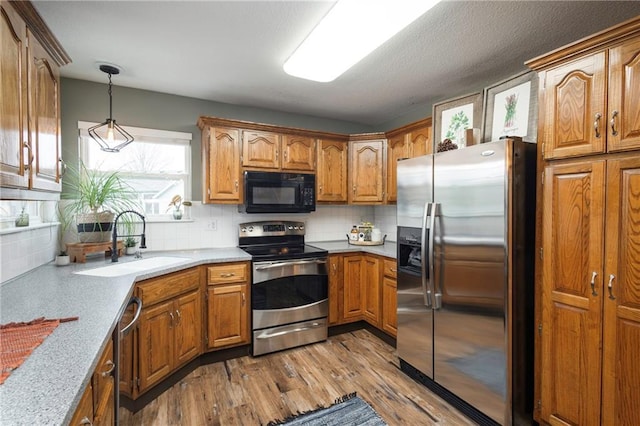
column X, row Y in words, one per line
column 254, row 391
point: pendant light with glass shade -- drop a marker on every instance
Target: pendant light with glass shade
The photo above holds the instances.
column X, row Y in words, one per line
column 109, row 135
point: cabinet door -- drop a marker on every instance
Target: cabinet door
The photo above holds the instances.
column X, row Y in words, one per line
column 371, row 289
column 298, row 153
column 260, row 149
column 624, row 97
column 575, row 108
column 221, row 152
column 621, row 295
column 336, row 289
column 331, row 177
column 397, row 148
column 13, row 120
column 389, row 306
column 156, row 343
column 44, row 113
column 188, row 327
column 573, row 226
column 420, row 142
column 228, row 315
column 367, row 169
column 353, row 276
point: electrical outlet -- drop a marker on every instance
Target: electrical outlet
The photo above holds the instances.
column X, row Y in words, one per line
column 213, row 225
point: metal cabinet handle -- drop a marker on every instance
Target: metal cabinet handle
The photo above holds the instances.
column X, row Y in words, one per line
column 236, row 185
column 85, row 421
column 610, row 285
column 172, row 318
column 111, row 366
column 335, row 267
column 29, row 155
column 227, row 275
column 593, row 284
column 614, row 114
column 393, row 269
column 243, row 299
column 596, row 124
column 136, row 316
column 63, row 167
column 179, row 316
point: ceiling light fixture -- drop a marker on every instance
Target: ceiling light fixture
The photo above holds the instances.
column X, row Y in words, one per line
column 110, row 136
column 350, row 31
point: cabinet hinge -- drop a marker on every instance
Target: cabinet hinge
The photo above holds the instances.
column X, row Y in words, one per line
column 138, row 382
column 542, row 178
column 540, row 329
column 541, row 253
column 542, row 153
column 539, row 405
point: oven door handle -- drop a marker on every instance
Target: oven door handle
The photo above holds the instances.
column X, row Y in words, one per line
column 264, row 335
column 288, row 263
column 125, row 330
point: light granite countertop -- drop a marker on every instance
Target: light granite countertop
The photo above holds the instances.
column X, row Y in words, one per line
column 47, row 387
column 388, row 249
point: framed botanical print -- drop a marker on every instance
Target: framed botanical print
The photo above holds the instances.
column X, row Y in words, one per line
column 511, row 108
column 453, row 117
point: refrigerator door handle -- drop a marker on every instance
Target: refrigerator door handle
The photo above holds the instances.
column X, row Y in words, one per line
column 426, row 287
column 432, row 277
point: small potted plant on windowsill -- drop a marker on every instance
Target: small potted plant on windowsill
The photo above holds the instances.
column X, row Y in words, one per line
column 130, row 245
column 177, row 203
column 62, row 258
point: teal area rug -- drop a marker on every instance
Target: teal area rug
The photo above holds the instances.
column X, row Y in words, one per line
column 348, row 410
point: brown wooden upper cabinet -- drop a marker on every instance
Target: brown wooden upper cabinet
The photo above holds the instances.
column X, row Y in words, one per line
column 367, row 171
column 331, row 177
column 221, row 165
column 592, row 104
column 409, row 141
column 30, row 123
column 268, row 150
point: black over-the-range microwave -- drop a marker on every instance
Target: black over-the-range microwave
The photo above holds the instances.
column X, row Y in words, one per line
column 273, row 192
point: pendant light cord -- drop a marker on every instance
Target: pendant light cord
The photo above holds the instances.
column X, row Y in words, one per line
column 110, row 100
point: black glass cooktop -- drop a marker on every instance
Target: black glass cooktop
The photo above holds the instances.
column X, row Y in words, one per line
column 269, row 252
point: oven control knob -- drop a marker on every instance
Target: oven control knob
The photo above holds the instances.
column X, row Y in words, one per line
column 243, row 229
column 290, row 227
column 295, row 227
column 250, row 229
column 301, row 227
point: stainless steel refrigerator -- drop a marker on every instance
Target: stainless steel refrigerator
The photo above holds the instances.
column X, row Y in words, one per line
column 466, row 232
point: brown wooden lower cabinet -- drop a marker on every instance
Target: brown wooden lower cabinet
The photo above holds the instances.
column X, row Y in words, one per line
column 97, row 404
column 356, row 291
column 389, row 298
column 170, row 328
column 228, row 305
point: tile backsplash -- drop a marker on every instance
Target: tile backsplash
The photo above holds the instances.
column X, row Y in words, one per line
column 208, row 226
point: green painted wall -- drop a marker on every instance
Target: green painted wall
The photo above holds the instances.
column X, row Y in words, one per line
column 87, row 101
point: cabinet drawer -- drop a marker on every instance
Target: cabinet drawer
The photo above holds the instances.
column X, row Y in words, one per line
column 228, row 273
column 168, row 286
column 390, row 268
column 103, row 377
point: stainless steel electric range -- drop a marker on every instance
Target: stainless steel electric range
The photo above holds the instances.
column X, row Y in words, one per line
column 289, row 291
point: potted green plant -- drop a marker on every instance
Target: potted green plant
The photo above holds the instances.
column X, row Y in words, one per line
column 130, row 245
column 94, row 197
column 62, row 258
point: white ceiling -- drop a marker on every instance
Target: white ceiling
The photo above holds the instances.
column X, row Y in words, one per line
column 233, row 51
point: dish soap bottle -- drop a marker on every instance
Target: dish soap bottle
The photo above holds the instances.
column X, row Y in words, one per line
column 353, row 236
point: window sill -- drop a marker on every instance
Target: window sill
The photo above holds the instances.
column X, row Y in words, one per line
column 15, row 229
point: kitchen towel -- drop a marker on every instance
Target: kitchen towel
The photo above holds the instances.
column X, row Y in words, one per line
column 19, row 339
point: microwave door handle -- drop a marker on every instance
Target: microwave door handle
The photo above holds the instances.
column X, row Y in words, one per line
column 426, row 288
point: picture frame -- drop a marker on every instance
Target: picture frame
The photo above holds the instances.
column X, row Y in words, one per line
column 452, row 117
column 518, row 115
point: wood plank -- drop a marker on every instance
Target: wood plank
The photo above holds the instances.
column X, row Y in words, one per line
column 254, row 391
